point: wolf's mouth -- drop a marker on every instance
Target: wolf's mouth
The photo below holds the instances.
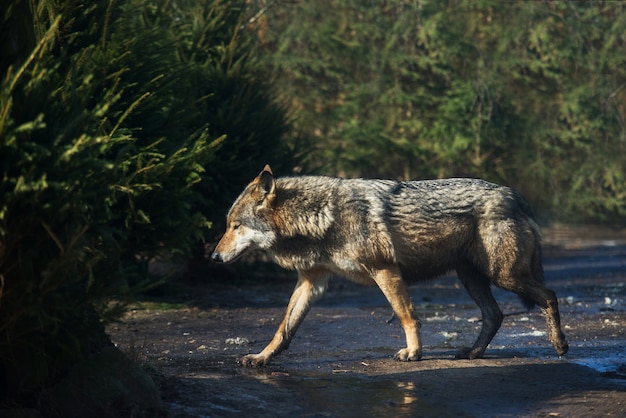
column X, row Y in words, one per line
column 219, row 258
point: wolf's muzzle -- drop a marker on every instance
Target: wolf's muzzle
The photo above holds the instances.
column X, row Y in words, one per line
column 217, row 257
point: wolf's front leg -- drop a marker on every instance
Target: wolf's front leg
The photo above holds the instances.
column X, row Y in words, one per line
column 397, row 293
column 310, row 287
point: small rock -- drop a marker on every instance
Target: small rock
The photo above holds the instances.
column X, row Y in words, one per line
column 237, row 341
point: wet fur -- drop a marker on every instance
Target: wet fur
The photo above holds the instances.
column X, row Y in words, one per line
column 392, row 234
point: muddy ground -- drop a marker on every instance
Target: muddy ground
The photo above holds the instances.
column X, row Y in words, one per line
column 340, row 362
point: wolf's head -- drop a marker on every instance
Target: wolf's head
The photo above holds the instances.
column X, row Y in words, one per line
column 248, row 223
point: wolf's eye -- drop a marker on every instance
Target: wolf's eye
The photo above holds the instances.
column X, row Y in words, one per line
column 236, row 226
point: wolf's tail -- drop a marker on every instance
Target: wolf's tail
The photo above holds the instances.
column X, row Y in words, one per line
column 536, row 260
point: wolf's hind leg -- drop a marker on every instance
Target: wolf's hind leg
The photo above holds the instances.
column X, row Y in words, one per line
column 310, row 287
column 478, row 287
column 397, row 293
column 547, row 301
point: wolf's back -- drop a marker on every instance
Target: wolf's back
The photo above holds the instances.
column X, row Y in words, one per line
column 426, row 227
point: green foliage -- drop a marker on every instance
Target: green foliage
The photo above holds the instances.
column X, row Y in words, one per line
column 234, row 99
column 526, row 93
column 75, row 189
column 107, row 130
column 213, row 80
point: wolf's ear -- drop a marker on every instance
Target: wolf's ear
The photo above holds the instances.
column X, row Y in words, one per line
column 268, row 169
column 266, row 185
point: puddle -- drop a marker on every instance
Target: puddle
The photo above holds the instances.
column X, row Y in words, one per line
column 614, row 365
column 339, row 396
column 309, row 394
column 438, row 388
column 606, row 357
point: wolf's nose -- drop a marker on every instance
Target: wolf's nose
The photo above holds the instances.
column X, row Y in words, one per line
column 216, row 257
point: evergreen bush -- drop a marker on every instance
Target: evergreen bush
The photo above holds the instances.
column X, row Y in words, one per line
column 109, row 123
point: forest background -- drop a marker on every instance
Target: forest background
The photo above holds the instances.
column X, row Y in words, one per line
column 127, row 127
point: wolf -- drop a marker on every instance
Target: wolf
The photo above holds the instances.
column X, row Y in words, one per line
column 391, row 234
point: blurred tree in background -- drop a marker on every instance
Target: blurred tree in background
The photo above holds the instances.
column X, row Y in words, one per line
column 530, row 94
column 111, row 115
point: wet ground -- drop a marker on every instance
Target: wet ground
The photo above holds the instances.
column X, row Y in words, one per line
column 340, row 362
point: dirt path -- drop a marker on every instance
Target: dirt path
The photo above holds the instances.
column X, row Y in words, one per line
column 339, row 364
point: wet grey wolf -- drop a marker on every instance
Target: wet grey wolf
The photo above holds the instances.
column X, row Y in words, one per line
column 391, row 234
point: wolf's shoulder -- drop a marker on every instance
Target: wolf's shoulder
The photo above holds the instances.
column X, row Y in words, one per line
column 295, row 181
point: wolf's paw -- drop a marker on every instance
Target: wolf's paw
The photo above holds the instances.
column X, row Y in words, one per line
column 254, row 360
column 561, row 346
column 407, row 354
column 562, row 349
column 470, row 353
